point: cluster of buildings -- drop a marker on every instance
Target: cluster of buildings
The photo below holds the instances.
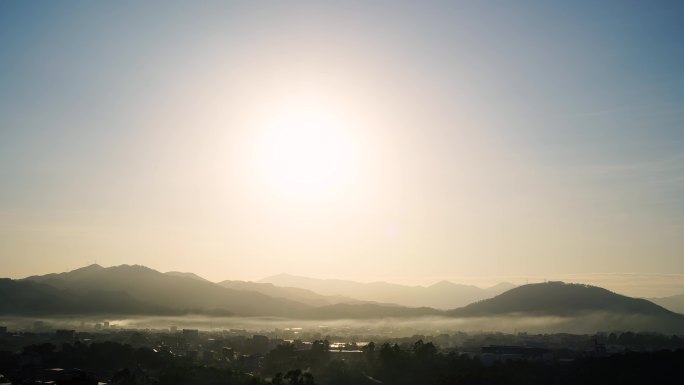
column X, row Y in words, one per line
column 245, row 351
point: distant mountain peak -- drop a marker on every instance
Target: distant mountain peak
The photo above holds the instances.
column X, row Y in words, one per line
column 448, row 285
column 441, row 295
column 444, row 284
column 186, row 275
column 503, row 286
column 283, row 276
column 134, row 266
column 91, row 267
column 559, row 298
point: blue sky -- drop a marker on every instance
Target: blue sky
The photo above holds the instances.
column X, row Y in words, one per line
column 506, row 138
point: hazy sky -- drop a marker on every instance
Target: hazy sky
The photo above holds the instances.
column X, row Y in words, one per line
column 369, row 140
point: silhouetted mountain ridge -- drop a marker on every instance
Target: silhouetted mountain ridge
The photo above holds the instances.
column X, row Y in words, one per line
column 561, row 299
column 186, row 275
column 571, row 306
column 34, row 298
column 441, row 295
column 129, row 290
column 673, row 302
column 181, row 293
column 184, row 293
column 292, row 293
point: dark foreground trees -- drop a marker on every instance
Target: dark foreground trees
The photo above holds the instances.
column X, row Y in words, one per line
column 419, row 363
column 423, row 364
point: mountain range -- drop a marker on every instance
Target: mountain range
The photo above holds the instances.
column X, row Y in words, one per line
column 152, row 292
column 129, row 290
column 305, row 296
column 578, row 304
column 441, row 295
column 558, row 299
column 172, row 292
column 674, row 302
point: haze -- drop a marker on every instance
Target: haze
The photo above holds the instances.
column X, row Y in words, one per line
column 409, row 142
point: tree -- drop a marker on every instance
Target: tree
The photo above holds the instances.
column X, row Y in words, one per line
column 296, row 377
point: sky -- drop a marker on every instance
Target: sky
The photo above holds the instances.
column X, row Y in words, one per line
column 403, row 141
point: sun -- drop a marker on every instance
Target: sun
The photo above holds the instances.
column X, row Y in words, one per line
column 307, row 153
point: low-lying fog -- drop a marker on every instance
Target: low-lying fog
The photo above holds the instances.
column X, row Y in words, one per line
column 395, row 327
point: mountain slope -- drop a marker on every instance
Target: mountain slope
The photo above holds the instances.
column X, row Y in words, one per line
column 674, row 303
column 442, row 295
column 33, row 298
column 558, row 306
column 180, row 293
column 186, row 275
column 372, row 310
column 184, row 294
column 291, row 293
column 128, row 290
column 559, row 298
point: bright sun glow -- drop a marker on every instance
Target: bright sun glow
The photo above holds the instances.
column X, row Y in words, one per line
column 307, row 153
